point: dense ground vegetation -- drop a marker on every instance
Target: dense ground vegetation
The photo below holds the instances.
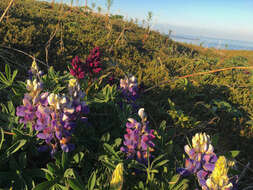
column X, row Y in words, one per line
column 172, row 83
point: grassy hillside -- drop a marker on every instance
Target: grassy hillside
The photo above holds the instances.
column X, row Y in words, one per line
column 177, row 87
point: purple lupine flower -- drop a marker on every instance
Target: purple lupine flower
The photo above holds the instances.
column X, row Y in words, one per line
column 201, row 159
column 65, row 145
column 53, row 116
column 137, row 140
column 129, row 91
column 46, row 134
column 43, row 118
column 27, row 110
column 75, row 106
column 129, row 86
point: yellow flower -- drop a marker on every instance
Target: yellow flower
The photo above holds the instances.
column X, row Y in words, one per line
column 202, row 143
column 34, row 66
column 72, row 83
column 219, row 179
column 117, row 178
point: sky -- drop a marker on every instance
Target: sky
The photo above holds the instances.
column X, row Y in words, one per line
column 228, row 19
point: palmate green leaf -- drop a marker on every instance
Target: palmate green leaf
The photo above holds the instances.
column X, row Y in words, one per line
column 109, row 148
column 19, row 133
column 14, row 74
column 183, row 185
column 175, row 184
column 159, row 164
column 117, row 142
column 74, row 179
column 8, row 71
column 68, row 173
column 8, row 78
column 78, row 157
column 174, row 181
column 74, row 184
column 51, row 72
column 15, row 147
column 3, row 79
column 92, row 181
column 154, row 171
column 45, row 185
column 48, row 174
column 234, row 153
column 11, row 108
column 59, row 187
column 141, row 185
column 108, row 164
column 105, row 137
column 156, row 159
column 53, row 169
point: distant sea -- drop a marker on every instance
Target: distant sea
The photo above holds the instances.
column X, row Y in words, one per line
column 214, row 42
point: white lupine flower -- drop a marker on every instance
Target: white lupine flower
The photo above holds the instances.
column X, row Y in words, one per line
column 201, row 143
column 124, row 83
column 133, row 79
column 63, row 100
column 54, row 100
column 29, row 85
column 34, row 88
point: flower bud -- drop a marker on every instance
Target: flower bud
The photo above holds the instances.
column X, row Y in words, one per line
column 142, row 114
column 117, row 178
column 73, row 83
column 202, row 143
column 34, row 66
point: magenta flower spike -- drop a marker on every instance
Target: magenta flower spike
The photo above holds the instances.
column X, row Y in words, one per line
column 77, row 68
column 93, row 64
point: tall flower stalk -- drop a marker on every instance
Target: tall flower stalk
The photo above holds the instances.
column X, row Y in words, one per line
column 212, row 173
column 90, row 68
column 138, row 138
column 52, row 115
column 201, row 159
column 129, row 91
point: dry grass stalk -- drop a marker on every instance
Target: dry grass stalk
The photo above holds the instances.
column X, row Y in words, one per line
column 200, row 73
column 6, row 10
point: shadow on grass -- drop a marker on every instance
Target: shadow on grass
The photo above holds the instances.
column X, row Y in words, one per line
column 208, row 104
